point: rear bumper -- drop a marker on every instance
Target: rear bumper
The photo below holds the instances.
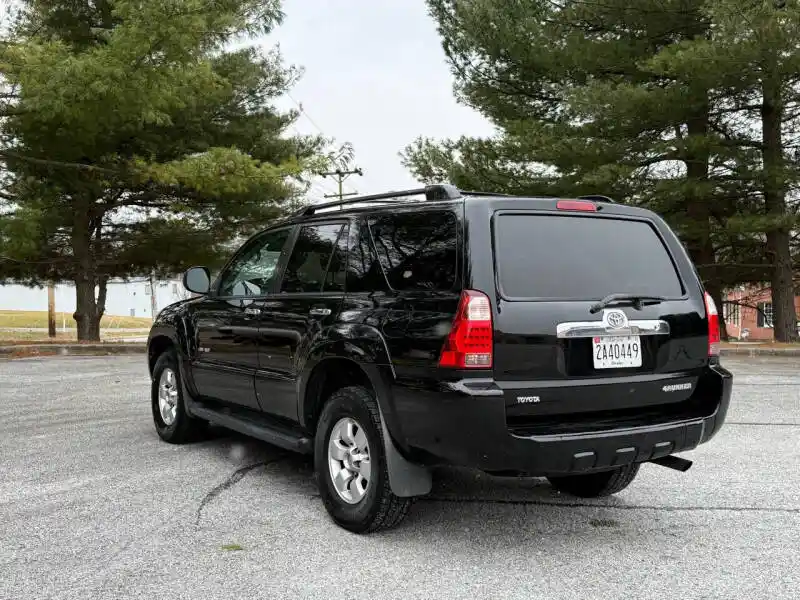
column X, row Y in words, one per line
column 466, row 425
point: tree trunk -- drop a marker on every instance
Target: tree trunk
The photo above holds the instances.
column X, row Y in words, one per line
column 784, row 317
column 698, row 204
column 87, row 316
column 51, row 310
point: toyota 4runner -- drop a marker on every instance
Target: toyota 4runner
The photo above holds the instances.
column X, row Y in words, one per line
column 570, row 339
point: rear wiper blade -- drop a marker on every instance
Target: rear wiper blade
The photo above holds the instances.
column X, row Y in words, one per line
column 637, row 301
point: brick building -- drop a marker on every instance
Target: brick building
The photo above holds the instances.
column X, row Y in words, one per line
column 758, row 321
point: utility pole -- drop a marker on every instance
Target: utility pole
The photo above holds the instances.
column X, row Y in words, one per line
column 340, row 175
column 153, row 301
column 51, row 310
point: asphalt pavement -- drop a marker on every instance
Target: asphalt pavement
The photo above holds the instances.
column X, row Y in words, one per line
column 93, row 506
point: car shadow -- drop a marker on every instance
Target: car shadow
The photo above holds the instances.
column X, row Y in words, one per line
column 459, row 491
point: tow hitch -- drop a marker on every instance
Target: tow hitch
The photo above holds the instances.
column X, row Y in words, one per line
column 673, row 462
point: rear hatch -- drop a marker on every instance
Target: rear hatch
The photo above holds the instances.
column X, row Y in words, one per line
column 562, row 358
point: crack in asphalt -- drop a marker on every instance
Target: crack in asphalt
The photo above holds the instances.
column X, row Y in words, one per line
column 742, row 509
column 232, row 480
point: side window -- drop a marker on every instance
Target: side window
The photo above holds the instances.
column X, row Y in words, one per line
column 308, row 267
column 337, row 269
column 363, row 269
column 253, row 270
column 417, row 250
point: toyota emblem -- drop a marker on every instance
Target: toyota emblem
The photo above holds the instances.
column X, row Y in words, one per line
column 616, row 319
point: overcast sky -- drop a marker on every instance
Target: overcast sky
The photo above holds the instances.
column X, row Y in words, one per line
column 375, row 75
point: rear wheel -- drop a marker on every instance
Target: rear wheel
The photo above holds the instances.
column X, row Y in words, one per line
column 596, row 485
column 350, row 464
column 172, row 422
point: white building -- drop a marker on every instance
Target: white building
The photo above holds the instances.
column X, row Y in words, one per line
column 130, row 299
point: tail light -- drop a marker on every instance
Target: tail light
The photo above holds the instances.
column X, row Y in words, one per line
column 470, row 343
column 713, row 326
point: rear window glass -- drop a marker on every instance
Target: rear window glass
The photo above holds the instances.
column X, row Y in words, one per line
column 555, row 257
column 417, row 250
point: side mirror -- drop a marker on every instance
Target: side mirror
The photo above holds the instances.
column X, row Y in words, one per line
column 197, row 280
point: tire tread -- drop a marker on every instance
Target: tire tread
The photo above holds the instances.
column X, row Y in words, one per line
column 188, row 429
column 392, row 509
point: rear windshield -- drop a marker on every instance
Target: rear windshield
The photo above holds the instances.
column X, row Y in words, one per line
column 586, row 258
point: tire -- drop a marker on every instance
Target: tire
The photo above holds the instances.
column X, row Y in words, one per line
column 596, row 485
column 371, row 506
column 175, row 426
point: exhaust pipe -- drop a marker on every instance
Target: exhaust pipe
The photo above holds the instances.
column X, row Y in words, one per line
column 673, row 462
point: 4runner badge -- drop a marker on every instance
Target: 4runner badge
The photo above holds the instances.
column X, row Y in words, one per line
column 676, row 387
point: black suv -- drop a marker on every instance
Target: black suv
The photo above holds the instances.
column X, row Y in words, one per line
column 570, row 339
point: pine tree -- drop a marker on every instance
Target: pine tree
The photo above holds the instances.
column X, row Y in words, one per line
column 610, row 97
column 138, row 138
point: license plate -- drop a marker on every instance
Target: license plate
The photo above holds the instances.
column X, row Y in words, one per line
column 617, row 352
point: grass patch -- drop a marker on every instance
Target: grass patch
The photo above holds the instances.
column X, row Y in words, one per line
column 232, row 548
column 38, row 319
column 11, row 338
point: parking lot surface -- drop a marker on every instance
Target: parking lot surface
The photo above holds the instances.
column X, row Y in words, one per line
column 93, row 505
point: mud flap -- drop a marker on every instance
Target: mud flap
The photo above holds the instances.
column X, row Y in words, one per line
column 405, row 478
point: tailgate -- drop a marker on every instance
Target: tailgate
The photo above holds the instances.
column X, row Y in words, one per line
column 553, row 354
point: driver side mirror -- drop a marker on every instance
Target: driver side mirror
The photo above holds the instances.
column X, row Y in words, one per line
column 197, row 280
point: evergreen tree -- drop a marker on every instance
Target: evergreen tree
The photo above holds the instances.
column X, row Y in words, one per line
column 137, row 137
column 633, row 100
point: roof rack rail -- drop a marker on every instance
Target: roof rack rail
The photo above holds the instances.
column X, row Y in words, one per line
column 596, row 198
column 477, row 193
column 441, row 191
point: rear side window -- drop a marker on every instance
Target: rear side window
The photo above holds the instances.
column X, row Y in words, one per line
column 317, row 260
column 581, row 258
column 417, row 250
column 364, row 271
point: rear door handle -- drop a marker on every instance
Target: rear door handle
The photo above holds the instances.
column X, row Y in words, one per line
column 319, row 312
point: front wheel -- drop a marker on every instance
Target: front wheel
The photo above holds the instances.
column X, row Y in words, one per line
column 350, row 464
column 172, row 422
column 596, row 485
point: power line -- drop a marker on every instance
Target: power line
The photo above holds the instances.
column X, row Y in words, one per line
column 305, row 114
column 322, row 133
column 340, row 176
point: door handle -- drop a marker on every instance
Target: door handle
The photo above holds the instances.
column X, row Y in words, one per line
column 319, row 312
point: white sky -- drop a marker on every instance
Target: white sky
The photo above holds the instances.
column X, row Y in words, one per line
column 375, row 75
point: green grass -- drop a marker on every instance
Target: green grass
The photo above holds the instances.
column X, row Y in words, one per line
column 27, row 337
column 37, row 319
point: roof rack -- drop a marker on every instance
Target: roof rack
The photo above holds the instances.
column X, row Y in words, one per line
column 441, row 191
column 476, row 193
column 596, row 198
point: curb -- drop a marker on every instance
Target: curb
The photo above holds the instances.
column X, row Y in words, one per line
column 32, row 350
column 775, row 352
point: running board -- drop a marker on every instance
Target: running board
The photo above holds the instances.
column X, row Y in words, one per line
column 673, row 462
column 266, row 432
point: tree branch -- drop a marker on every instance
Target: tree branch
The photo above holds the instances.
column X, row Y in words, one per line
column 5, row 154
